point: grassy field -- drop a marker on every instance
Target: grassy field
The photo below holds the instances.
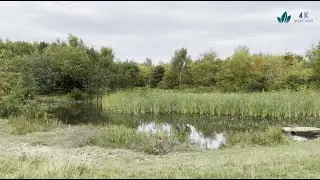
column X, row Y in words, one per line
column 60, row 153
column 266, row 104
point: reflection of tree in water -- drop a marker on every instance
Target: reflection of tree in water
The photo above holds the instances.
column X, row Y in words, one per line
column 80, row 113
column 182, row 128
column 184, row 133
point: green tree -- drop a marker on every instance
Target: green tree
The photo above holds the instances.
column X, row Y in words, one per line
column 148, row 62
column 313, row 56
column 211, row 55
column 236, row 72
column 100, row 71
column 126, row 75
column 298, row 75
column 74, row 41
column 203, row 71
column 179, row 72
column 157, row 76
column 145, row 73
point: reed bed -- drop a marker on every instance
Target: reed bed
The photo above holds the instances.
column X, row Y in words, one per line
column 265, row 104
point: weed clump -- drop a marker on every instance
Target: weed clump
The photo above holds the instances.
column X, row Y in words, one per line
column 123, row 137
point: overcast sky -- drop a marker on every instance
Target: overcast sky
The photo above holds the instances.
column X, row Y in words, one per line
column 136, row 30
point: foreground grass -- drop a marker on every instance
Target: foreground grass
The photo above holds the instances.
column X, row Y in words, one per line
column 278, row 104
column 297, row 160
column 289, row 160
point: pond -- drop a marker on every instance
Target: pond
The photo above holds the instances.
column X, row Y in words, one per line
column 204, row 130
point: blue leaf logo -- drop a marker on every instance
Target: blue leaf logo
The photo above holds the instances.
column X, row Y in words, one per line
column 284, row 18
column 279, row 20
column 288, row 19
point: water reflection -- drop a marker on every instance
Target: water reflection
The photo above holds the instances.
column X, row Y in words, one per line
column 79, row 113
column 88, row 113
column 195, row 137
column 155, row 128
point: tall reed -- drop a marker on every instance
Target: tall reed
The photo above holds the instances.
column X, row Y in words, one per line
column 265, row 104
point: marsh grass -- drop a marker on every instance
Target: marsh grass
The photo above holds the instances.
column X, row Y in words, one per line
column 270, row 137
column 123, row 137
column 22, row 125
column 266, row 104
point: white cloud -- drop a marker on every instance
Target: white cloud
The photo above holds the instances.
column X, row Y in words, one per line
column 137, row 30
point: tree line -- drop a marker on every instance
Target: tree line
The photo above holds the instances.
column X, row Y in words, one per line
column 66, row 66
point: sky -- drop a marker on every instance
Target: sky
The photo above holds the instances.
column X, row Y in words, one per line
column 137, row 30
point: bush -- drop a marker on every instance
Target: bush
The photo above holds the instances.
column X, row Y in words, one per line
column 8, row 108
column 13, row 103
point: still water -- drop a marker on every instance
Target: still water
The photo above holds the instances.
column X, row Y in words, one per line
column 204, row 131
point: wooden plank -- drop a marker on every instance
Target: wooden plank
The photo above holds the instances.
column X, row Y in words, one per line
column 301, row 129
column 311, row 132
column 287, row 129
column 305, row 129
